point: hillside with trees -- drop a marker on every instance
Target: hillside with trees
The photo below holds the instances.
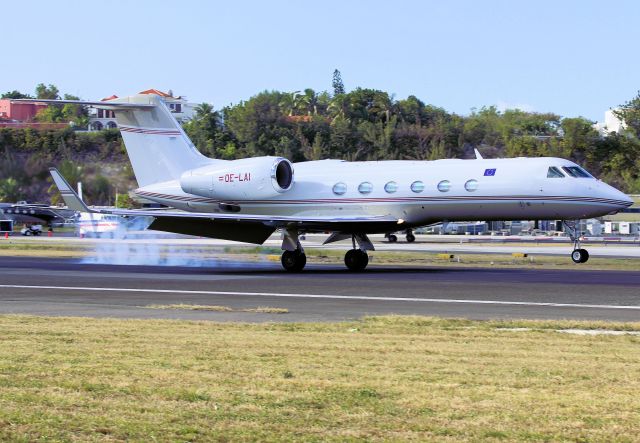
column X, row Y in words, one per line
column 362, row 124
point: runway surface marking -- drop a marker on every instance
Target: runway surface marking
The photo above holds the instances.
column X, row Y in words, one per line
column 329, row 296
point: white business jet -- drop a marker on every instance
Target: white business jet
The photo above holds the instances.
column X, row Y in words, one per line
column 247, row 200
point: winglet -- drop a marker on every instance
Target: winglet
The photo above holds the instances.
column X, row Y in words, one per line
column 478, row 155
column 68, row 194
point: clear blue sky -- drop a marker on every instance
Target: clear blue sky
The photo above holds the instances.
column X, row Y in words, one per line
column 570, row 57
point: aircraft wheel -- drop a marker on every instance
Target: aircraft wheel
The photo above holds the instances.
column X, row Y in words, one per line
column 580, row 256
column 411, row 238
column 356, row 260
column 293, row 261
column 27, row 233
column 392, row 238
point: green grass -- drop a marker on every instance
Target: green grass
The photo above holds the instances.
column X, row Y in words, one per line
column 379, row 379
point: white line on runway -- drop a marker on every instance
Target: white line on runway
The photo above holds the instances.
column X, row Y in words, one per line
column 329, row 296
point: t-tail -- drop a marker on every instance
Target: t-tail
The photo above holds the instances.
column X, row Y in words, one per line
column 157, row 145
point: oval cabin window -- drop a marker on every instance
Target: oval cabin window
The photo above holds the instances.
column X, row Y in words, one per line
column 471, row 185
column 444, row 186
column 391, row 187
column 339, row 188
column 417, row 186
column 365, row 188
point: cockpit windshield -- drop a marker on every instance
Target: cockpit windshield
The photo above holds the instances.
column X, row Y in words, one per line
column 577, row 172
column 554, row 172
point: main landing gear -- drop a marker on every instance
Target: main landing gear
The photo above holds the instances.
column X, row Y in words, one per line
column 294, row 259
column 579, row 255
column 357, row 258
column 394, row 238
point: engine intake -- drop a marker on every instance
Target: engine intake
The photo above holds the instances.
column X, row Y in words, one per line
column 283, row 174
column 244, row 179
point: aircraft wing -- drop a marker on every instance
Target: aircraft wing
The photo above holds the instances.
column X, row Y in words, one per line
column 239, row 227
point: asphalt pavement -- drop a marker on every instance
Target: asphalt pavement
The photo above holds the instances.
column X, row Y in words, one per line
column 61, row 287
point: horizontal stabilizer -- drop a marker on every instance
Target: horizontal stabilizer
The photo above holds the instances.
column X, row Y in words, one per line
column 102, row 105
column 68, row 194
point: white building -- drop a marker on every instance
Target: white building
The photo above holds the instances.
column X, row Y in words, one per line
column 181, row 109
column 611, row 124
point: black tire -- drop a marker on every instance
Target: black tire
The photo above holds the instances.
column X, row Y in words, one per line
column 27, row 233
column 580, row 256
column 356, row 260
column 411, row 238
column 293, row 261
column 585, row 256
column 392, row 238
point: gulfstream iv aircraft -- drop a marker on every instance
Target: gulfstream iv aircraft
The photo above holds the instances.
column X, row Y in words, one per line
column 247, row 200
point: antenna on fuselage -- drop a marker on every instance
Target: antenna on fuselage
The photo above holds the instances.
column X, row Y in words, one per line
column 478, row 155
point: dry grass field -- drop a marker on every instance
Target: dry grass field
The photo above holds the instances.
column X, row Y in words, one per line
column 379, row 379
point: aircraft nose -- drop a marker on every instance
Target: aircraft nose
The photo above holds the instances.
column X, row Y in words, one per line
column 618, row 198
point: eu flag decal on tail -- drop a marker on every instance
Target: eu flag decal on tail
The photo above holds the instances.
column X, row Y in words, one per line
column 489, row 172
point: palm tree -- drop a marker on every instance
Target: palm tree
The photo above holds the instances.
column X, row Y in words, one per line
column 9, row 190
column 288, row 103
column 203, row 109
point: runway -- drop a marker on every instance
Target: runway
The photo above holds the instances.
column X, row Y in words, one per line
column 57, row 287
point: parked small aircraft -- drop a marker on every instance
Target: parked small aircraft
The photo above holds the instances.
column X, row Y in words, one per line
column 248, row 199
column 24, row 212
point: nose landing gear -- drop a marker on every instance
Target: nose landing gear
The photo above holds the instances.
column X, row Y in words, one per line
column 579, row 255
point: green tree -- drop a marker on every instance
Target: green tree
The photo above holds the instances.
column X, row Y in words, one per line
column 9, row 190
column 50, row 92
column 338, row 86
column 15, row 94
column 99, row 191
column 206, row 130
column 50, row 114
column 629, row 113
column 319, row 149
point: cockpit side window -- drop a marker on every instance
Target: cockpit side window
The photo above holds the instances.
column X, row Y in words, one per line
column 554, row 172
column 576, row 171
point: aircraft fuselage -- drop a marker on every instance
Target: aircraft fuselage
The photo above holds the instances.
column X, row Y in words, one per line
column 418, row 192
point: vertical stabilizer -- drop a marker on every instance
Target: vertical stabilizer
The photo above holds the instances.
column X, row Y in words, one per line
column 157, row 146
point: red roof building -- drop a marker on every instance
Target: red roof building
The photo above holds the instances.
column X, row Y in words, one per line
column 21, row 112
column 156, row 92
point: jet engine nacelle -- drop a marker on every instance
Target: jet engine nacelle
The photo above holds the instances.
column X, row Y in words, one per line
column 248, row 178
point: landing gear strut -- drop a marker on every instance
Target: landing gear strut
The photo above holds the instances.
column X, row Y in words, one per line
column 579, row 255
